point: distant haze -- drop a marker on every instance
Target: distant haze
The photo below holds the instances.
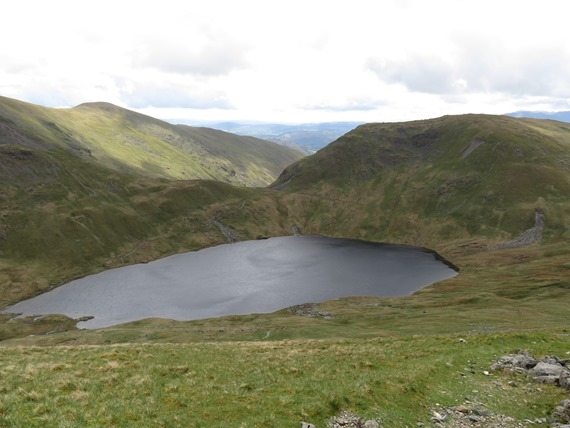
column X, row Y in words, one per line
column 562, row 116
column 308, row 137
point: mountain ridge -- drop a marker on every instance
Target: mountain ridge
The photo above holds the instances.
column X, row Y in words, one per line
column 130, row 141
column 473, row 173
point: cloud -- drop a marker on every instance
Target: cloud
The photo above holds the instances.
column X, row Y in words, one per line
column 477, row 66
column 12, row 65
column 533, row 71
column 167, row 95
column 209, row 54
column 365, row 104
column 418, row 73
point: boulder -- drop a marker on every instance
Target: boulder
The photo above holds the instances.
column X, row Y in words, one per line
column 562, row 411
column 521, row 360
column 547, row 369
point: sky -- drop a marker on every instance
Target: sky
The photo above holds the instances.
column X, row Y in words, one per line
column 289, row 61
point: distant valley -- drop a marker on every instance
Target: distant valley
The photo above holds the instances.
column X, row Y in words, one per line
column 308, row 137
column 562, row 116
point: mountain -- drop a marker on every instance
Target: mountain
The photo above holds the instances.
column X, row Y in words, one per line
column 91, row 187
column 562, row 116
column 310, row 137
column 131, row 142
column 440, row 179
column 67, row 212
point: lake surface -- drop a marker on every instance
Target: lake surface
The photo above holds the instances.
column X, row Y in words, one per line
column 242, row 278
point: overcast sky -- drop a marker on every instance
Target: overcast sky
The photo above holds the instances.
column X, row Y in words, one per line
column 289, row 61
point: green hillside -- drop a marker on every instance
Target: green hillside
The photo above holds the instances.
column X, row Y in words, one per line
column 441, row 179
column 97, row 186
column 126, row 141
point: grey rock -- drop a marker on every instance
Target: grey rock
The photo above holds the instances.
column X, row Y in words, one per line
column 549, row 380
column 546, row 369
column 524, row 361
column 521, row 360
column 481, row 412
column 345, row 420
column 371, row 424
column 307, row 425
column 564, row 379
column 562, row 411
column 550, row 359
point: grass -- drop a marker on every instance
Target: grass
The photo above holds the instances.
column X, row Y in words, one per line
column 123, row 140
column 394, row 380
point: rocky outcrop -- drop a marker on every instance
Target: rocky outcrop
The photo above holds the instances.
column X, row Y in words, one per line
column 311, row 310
column 547, row 370
column 467, row 416
column 346, row 420
column 529, row 236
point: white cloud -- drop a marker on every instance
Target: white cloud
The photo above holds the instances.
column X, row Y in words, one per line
column 140, row 95
column 213, row 54
column 289, row 61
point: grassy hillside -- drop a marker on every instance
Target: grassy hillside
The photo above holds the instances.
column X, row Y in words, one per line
column 398, row 382
column 126, row 141
column 438, row 180
column 97, row 186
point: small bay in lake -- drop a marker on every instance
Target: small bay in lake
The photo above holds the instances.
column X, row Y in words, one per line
column 242, row 278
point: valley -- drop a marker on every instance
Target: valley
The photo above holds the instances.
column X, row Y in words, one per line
column 82, row 196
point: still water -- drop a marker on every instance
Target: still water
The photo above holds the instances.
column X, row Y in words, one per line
column 242, row 278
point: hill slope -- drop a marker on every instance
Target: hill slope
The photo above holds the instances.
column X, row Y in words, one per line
column 126, row 141
column 97, row 186
column 443, row 178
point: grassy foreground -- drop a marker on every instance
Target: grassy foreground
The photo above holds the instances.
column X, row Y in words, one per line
column 394, row 360
column 397, row 381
